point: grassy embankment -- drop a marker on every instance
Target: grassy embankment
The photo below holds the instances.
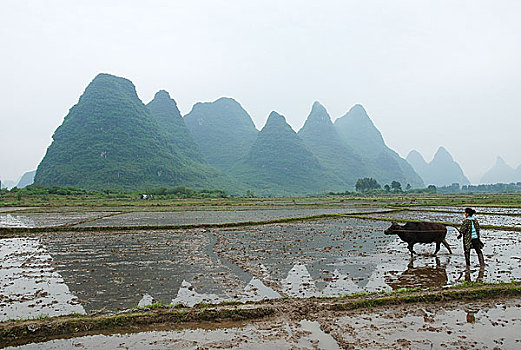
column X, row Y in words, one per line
column 15, row 332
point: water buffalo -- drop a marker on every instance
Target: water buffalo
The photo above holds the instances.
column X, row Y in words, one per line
column 420, row 232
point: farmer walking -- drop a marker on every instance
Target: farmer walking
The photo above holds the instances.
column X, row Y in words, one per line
column 470, row 232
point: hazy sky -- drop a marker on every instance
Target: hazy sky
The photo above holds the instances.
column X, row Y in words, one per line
column 429, row 73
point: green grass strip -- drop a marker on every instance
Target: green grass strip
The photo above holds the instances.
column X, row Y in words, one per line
column 476, row 292
column 23, row 332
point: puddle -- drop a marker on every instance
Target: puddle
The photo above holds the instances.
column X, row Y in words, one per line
column 476, row 325
column 47, row 219
column 299, row 283
column 9, row 220
column 187, row 296
column 259, row 335
column 29, row 286
column 9, row 209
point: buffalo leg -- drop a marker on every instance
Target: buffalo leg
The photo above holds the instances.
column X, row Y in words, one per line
column 446, row 245
column 410, row 248
column 437, row 248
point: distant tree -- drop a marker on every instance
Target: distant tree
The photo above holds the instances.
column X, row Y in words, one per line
column 431, row 188
column 396, row 186
column 367, row 184
column 408, row 187
column 387, row 188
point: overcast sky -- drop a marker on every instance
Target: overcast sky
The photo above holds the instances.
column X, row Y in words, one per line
column 429, row 73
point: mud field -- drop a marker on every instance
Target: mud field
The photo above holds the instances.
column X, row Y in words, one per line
column 60, row 273
column 456, row 325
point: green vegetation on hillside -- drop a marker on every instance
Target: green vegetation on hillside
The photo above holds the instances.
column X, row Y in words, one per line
column 223, row 129
column 110, row 140
column 322, row 139
column 383, row 164
column 280, row 163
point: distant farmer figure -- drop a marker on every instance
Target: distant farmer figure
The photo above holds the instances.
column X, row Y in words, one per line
column 470, row 232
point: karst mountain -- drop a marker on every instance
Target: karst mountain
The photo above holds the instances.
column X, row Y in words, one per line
column 322, row 139
column 223, row 129
column 443, row 170
column 280, row 160
column 501, row 172
column 111, row 139
column 382, row 163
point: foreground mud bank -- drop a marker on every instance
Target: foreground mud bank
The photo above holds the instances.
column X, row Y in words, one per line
column 295, row 310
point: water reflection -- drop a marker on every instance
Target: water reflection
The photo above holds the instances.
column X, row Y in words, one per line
column 29, row 285
column 422, row 276
column 15, row 221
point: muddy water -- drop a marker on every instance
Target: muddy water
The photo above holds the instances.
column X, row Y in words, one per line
column 457, row 218
column 215, row 217
column 330, row 257
column 344, row 256
column 29, row 286
column 450, row 325
column 114, row 271
column 279, row 335
column 479, row 325
column 479, row 210
column 46, row 219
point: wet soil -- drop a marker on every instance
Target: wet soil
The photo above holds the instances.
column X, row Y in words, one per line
column 456, row 218
column 454, row 324
column 53, row 274
column 206, row 217
column 329, row 257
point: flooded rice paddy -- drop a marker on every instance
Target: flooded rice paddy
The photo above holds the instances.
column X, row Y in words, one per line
column 484, row 219
column 164, row 218
column 61, row 273
column 476, row 325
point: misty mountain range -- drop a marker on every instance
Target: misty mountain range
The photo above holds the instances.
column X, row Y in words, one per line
column 441, row 171
column 502, row 172
column 111, row 139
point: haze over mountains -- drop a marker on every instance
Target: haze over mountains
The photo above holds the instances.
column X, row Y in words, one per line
column 441, row 171
column 502, row 172
column 358, row 131
column 110, row 139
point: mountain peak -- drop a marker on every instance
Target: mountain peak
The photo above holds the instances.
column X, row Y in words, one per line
column 223, row 129
column 225, row 100
column 358, row 110
column 358, row 130
column 318, row 107
column 105, row 83
column 500, row 172
column 442, row 153
column 164, row 107
column 318, row 114
column 500, row 161
column 106, row 78
column 162, row 94
column 275, row 120
column 415, row 156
